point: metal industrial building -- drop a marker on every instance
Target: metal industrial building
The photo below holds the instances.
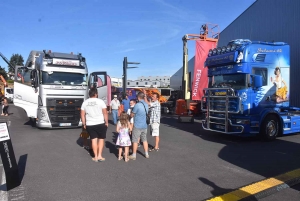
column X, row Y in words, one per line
column 264, row 20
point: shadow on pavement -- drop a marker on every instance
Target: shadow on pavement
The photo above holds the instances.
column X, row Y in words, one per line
column 267, row 159
column 112, row 148
column 22, row 166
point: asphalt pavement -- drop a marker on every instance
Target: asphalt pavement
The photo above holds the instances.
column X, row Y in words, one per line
column 191, row 164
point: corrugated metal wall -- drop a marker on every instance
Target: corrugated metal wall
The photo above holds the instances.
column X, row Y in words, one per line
column 176, row 79
column 271, row 20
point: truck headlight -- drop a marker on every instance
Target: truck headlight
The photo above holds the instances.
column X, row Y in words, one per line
column 43, row 115
column 242, row 121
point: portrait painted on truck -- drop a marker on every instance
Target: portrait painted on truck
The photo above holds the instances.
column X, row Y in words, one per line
column 281, row 82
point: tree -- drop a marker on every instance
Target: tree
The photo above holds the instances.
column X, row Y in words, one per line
column 15, row 60
column 3, row 73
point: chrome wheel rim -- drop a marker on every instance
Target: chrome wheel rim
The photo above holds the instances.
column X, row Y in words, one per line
column 271, row 128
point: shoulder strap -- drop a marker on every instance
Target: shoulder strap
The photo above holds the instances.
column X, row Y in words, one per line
column 144, row 107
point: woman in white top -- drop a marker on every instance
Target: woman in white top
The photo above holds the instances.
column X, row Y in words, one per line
column 281, row 88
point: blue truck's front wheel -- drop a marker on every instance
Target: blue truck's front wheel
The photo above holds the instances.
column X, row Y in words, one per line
column 269, row 129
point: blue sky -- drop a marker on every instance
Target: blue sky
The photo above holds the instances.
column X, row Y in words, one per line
column 145, row 31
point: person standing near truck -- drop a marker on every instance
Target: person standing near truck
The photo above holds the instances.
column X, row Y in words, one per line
column 139, row 131
column 114, row 107
column 155, row 114
column 125, row 103
column 95, row 120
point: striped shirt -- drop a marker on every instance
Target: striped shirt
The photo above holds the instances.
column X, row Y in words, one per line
column 155, row 112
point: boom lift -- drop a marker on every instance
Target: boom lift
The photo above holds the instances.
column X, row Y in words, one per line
column 1, row 77
column 208, row 32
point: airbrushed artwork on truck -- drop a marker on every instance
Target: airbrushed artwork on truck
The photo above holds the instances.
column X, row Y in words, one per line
column 276, row 82
column 281, row 93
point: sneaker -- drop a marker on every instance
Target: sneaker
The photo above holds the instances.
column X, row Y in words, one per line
column 131, row 157
column 147, row 156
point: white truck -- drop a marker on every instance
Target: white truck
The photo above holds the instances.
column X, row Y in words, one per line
column 52, row 86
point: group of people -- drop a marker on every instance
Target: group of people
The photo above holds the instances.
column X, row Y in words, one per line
column 131, row 124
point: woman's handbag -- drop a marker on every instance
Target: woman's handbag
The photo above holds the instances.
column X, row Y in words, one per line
column 84, row 133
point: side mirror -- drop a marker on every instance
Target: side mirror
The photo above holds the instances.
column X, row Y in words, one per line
column 256, row 81
column 95, row 79
column 34, row 78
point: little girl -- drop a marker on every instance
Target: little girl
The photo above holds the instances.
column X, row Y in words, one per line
column 123, row 128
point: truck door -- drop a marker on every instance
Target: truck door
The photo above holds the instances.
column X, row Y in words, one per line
column 25, row 96
column 101, row 81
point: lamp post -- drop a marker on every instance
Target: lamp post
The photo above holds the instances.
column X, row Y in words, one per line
column 125, row 67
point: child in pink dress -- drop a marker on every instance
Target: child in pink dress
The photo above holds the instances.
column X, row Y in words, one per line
column 123, row 128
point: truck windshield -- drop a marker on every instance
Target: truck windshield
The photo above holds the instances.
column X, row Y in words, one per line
column 63, row 78
column 235, row 81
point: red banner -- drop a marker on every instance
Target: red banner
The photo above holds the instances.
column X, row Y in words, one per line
column 200, row 80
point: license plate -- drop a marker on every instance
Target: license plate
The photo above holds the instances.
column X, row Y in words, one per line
column 220, row 127
column 65, row 124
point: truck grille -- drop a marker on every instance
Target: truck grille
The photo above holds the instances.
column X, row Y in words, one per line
column 219, row 109
column 64, row 111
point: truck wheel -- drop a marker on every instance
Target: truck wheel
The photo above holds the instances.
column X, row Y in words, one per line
column 269, row 129
column 32, row 122
column 192, row 120
column 179, row 119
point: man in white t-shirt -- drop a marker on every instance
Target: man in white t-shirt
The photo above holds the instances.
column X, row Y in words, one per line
column 94, row 119
column 114, row 107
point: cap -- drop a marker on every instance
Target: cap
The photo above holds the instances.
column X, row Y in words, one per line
column 115, row 96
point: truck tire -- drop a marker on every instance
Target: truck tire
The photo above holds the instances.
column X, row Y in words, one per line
column 32, row 122
column 179, row 119
column 270, row 128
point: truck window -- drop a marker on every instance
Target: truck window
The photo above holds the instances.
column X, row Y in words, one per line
column 235, row 81
column 63, row 78
column 262, row 72
column 23, row 76
column 165, row 92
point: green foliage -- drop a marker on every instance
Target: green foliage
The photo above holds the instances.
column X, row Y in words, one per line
column 3, row 73
column 15, row 60
column 10, row 81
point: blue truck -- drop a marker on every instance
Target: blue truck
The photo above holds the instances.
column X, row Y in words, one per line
column 249, row 89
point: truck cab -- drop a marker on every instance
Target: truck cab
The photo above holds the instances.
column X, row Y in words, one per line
column 249, row 90
column 52, row 86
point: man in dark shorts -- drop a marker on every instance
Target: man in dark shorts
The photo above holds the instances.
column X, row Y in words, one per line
column 95, row 119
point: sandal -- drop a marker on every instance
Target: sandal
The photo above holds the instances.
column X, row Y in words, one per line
column 126, row 159
column 95, row 160
column 153, row 149
column 101, row 159
column 120, row 158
